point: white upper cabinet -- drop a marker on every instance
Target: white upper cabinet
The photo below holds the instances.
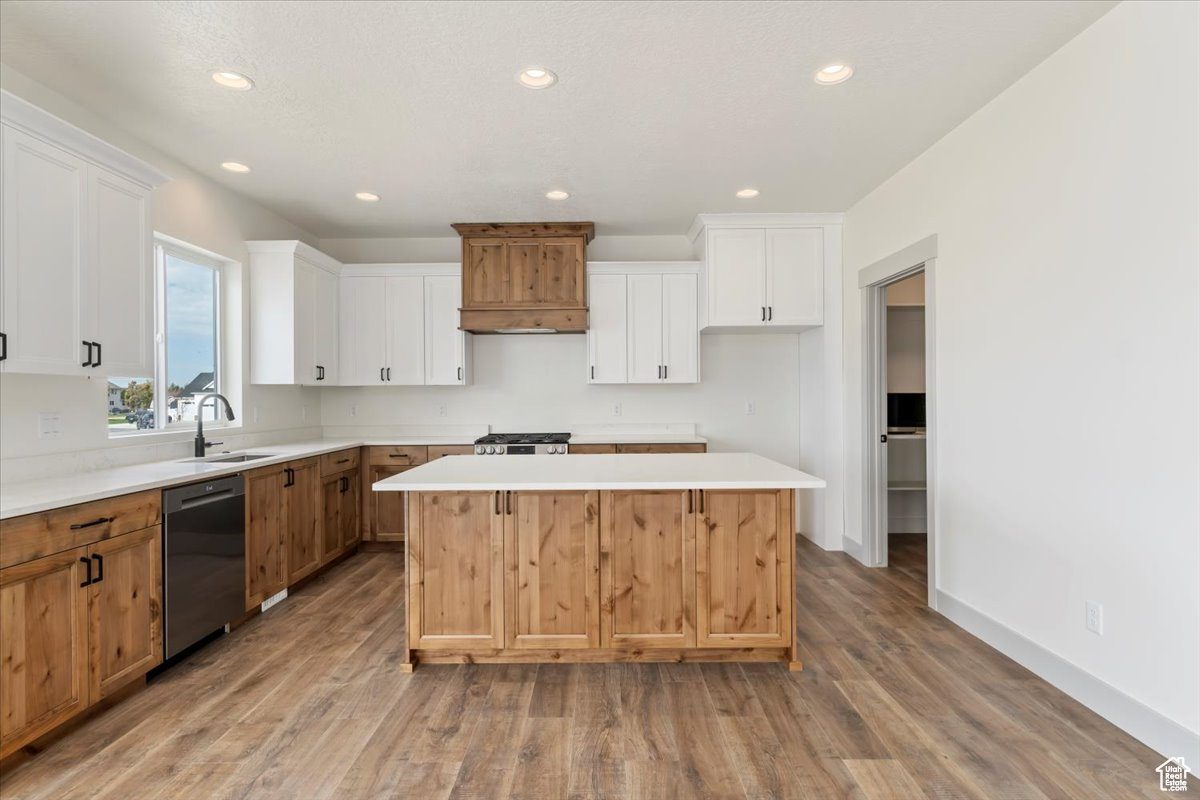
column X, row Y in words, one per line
column 293, row 314
column 765, row 272
column 76, row 273
column 445, row 345
column 399, row 326
column 607, row 335
column 642, row 324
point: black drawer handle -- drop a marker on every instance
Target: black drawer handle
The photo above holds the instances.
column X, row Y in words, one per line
column 343, row 461
column 103, row 520
column 99, row 568
column 398, row 455
column 88, row 582
column 99, row 354
column 89, row 346
column 3, row 346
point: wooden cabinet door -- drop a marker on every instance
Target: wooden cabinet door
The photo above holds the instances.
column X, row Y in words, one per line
column 266, row 570
column 362, row 331
column 680, row 330
column 302, row 523
column 647, row 569
column 523, row 258
column 456, row 593
column 606, row 334
column 387, row 519
column 795, row 276
column 744, row 569
column 562, row 272
column 552, row 569
column 592, row 449
column 736, row 260
column 659, row 448
column 126, row 609
column 485, row 273
column 44, row 194
column 43, row 646
column 331, row 517
column 445, row 344
column 350, row 509
column 405, row 331
column 119, row 278
column 645, row 308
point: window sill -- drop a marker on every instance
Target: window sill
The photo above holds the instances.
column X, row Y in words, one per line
column 173, row 434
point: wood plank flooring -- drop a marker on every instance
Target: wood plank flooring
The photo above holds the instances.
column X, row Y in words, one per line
column 308, row 701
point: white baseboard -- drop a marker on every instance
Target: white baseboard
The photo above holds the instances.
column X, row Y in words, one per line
column 853, row 549
column 1161, row 734
column 812, row 537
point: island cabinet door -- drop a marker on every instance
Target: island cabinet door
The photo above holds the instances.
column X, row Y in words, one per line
column 552, row 569
column 456, row 569
column 647, row 569
column 744, row 568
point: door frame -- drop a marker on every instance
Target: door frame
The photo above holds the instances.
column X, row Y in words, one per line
column 873, row 282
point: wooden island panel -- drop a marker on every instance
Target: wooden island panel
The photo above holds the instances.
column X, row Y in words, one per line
column 743, row 568
column 552, row 565
column 647, row 568
column 455, row 570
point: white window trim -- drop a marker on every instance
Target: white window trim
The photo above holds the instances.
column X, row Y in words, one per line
column 162, row 245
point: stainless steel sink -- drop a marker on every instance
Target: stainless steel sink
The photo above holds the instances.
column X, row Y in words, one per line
column 239, row 458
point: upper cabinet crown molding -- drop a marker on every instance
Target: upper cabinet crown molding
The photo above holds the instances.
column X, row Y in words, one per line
column 27, row 117
column 400, row 270
column 523, row 230
column 298, row 248
column 763, row 220
column 633, row 267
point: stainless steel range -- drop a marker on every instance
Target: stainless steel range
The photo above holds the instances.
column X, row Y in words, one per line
column 524, row 444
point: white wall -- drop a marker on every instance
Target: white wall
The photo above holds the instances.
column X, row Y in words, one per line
column 539, row 383
column 188, row 207
column 1067, row 344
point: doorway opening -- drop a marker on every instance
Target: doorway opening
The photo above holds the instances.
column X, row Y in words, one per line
column 898, row 418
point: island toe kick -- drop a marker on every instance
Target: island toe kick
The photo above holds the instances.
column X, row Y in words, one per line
column 585, row 575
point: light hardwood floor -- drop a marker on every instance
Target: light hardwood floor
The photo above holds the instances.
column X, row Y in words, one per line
column 308, row 701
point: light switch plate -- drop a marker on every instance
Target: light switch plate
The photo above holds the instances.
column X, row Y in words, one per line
column 49, row 425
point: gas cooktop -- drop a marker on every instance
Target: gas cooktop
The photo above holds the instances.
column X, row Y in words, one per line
column 524, row 438
column 499, row 444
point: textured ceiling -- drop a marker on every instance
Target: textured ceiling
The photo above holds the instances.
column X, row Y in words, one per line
column 662, row 110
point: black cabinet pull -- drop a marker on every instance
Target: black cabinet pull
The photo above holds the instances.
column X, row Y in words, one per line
column 88, row 363
column 3, row 346
column 99, row 568
column 343, row 461
column 88, row 582
column 381, row 374
column 770, row 313
column 460, row 373
column 290, row 478
column 701, row 501
column 764, row 313
column 320, row 372
column 497, row 504
column 101, row 521
column 508, row 502
column 593, row 372
column 690, row 508
column 389, row 371
column 99, row 354
column 665, row 368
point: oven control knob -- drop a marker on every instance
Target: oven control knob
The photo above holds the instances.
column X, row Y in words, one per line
column 480, row 450
column 558, row 449
column 491, row 449
column 500, row 450
column 552, row 449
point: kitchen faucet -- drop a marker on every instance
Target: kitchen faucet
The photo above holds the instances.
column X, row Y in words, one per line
column 200, row 443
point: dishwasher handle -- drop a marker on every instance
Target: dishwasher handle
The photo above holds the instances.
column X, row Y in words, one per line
column 215, row 497
column 202, row 493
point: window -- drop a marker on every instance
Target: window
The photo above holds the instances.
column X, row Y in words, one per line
column 187, row 347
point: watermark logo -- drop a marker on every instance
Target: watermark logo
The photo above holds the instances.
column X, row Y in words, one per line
column 1172, row 775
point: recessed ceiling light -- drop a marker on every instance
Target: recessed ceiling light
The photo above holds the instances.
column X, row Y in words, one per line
column 233, row 80
column 834, row 73
column 367, row 197
column 746, row 194
column 557, row 194
column 234, row 166
column 536, row 78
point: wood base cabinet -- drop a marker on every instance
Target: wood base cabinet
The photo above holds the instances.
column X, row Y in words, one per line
column 340, row 511
column 593, row 576
column 302, row 523
column 74, row 626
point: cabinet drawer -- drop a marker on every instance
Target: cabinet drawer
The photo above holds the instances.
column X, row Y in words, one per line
column 36, row 535
column 439, row 450
column 591, row 449
column 397, row 456
column 661, row 448
column 333, row 463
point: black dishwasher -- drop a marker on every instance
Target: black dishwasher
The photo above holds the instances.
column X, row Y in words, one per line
column 204, row 560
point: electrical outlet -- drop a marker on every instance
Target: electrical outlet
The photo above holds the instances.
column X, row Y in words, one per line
column 616, row 409
column 1095, row 618
column 49, row 425
column 354, row 411
column 274, row 599
column 442, row 411
column 303, row 413
column 750, row 408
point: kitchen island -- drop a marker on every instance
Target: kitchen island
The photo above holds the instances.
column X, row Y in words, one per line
column 596, row 558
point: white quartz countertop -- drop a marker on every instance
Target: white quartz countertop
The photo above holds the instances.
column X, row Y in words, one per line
column 640, row 471
column 43, row 494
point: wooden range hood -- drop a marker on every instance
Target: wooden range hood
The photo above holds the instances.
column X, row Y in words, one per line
column 524, row 277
